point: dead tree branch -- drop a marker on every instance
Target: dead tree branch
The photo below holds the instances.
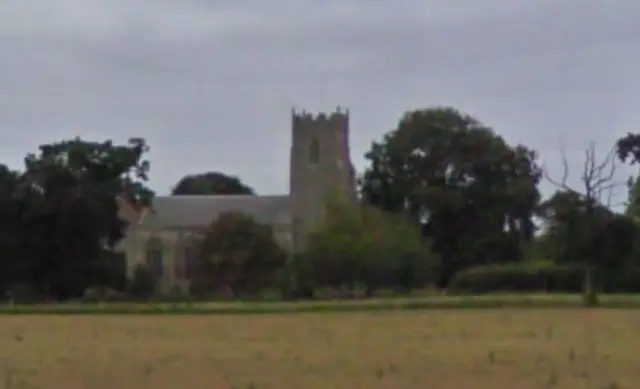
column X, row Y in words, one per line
column 562, row 184
column 598, row 177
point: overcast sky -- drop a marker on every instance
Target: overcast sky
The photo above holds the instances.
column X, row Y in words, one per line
column 210, row 84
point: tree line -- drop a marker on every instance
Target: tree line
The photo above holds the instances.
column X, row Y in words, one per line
column 445, row 202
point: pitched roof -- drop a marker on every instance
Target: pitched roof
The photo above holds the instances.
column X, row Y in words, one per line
column 199, row 210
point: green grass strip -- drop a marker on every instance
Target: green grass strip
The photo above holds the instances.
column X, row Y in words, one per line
column 396, row 304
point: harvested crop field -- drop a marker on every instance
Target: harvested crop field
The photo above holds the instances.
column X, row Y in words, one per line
column 429, row 349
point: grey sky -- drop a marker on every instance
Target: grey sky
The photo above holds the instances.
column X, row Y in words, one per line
column 210, row 84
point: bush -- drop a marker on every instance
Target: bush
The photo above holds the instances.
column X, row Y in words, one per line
column 143, row 283
column 238, row 254
column 102, row 294
column 622, row 281
column 540, row 276
column 360, row 247
column 522, row 277
column 23, row 294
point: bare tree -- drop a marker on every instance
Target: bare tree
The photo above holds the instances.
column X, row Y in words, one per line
column 599, row 185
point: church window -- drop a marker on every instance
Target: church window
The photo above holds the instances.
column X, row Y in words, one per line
column 314, row 151
column 154, row 257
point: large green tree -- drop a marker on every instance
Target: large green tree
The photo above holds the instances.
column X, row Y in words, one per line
column 476, row 192
column 64, row 212
column 211, row 183
column 13, row 196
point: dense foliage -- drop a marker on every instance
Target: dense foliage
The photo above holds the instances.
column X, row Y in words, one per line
column 59, row 222
column 463, row 179
column 211, row 183
column 237, row 255
column 446, row 202
column 359, row 246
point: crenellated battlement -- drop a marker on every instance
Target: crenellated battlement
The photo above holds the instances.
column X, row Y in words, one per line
column 303, row 118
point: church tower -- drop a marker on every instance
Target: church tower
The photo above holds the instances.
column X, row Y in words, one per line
column 320, row 165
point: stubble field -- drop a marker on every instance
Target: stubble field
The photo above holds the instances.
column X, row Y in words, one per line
column 429, row 349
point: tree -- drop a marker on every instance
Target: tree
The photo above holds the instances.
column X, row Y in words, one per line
column 211, row 183
column 633, row 195
column 239, row 254
column 64, row 211
column 628, row 149
column 464, row 180
column 587, row 232
column 13, row 197
column 362, row 245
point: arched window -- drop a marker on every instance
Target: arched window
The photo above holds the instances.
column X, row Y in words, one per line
column 314, row 151
column 154, row 256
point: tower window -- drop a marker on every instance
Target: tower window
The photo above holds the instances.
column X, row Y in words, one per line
column 314, row 151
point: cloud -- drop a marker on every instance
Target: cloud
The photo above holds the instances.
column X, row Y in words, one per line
column 211, row 84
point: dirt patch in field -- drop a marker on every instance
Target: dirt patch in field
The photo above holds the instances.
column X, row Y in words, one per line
column 431, row 349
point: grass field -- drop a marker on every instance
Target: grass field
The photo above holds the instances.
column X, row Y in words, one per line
column 499, row 348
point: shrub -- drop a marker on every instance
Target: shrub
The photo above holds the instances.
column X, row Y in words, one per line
column 295, row 280
column 102, row 294
column 518, row 277
column 360, row 245
column 626, row 280
column 143, row 283
column 238, row 254
column 540, row 276
column 271, row 294
column 23, row 294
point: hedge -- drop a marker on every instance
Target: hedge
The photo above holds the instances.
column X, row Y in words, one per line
column 540, row 277
column 553, row 301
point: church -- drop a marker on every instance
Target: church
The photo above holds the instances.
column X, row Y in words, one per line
column 164, row 236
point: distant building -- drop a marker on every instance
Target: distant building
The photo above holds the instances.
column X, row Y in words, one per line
column 163, row 237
